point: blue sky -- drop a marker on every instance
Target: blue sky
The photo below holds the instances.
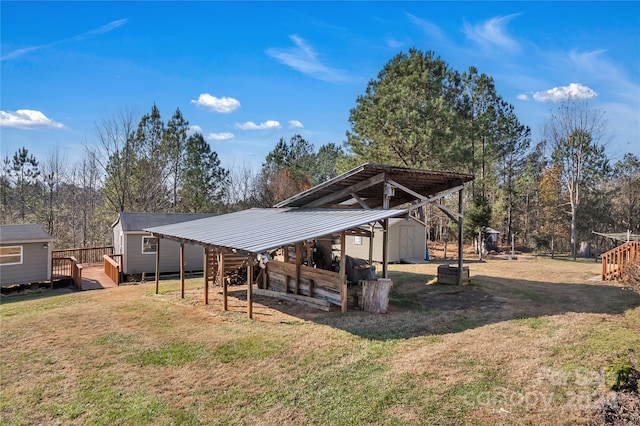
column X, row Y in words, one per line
column 246, row 74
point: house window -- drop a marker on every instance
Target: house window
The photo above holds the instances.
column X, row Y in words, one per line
column 11, row 255
column 357, row 240
column 149, row 245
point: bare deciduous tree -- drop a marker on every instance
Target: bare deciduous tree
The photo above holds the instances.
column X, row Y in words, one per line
column 575, row 133
column 117, row 158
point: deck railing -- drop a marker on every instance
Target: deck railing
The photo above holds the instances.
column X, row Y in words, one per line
column 617, row 260
column 113, row 267
column 76, row 273
column 63, row 267
column 84, row 255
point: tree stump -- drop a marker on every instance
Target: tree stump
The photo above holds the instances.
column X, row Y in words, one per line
column 375, row 295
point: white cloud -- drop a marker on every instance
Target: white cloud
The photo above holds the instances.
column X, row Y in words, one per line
column 597, row 67
column 430, row 29
column 303, row 58
column 523, row 97
column 557, row 94
column 96, row 31
column 223, row 105
column 250, row 125
column 27, row 119
column 393, row 43
column 195, row 129
column 492, row 32
column 220, row 136
column 295, row 124
column 108, row 27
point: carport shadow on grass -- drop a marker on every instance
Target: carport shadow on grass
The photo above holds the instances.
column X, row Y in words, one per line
column 417, row 308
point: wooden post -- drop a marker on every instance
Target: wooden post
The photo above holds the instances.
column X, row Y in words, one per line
column 372, row 226
column 182, row 270
column 157, row 264
column 460, row 239
column 206, row 276
column 249, row 287
column 265, row 277
column 386, row 196
column 223, row 282
column 343, row 274
column 298, row 263
column 287, row 279
column 385, row 250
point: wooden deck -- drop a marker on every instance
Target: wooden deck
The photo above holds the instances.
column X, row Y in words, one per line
column 94, row 278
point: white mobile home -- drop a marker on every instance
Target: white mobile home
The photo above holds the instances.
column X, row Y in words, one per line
column 25, row 254
column 139, row 247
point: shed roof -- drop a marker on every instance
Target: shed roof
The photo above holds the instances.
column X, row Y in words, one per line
column 260, row 230
column 134, row 221
column 25, row 233
column 331, row 193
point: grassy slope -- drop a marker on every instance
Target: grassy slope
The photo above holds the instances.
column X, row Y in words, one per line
column 526, row 343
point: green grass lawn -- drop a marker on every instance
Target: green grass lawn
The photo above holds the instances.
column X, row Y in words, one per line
column 525, row 343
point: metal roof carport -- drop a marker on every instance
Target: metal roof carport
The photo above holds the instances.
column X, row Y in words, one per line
column 366, row 194
column 256, row 231
column 380, row 186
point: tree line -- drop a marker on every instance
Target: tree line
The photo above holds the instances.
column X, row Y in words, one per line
column 418, row 112
column 147, row 165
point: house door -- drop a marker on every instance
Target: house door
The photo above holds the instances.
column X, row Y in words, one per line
column 406, row 241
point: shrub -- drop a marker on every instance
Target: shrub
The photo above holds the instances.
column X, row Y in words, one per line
column 623, row 375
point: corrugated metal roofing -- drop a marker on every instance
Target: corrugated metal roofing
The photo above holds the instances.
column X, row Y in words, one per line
column 25, row 233
column 424, row 182
column 134, row 221
column 261, row 230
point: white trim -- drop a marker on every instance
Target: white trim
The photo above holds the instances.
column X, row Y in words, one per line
column 2, row 256
column 125, row 253
column 144, row 237
column 49, row 261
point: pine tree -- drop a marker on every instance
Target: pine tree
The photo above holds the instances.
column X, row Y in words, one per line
column 204, row 180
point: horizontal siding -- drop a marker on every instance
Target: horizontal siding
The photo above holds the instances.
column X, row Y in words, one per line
column 34, row 267
column 137, row 262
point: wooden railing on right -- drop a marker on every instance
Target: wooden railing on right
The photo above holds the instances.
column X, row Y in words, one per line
column 617, row 260
column 76, row 273
column 112, row 267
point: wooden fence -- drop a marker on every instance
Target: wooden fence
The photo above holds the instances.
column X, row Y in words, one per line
column 314, row 283
column 84, row 255
column 617, row 260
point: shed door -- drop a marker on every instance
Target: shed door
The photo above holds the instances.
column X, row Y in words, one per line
column 406, row 241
